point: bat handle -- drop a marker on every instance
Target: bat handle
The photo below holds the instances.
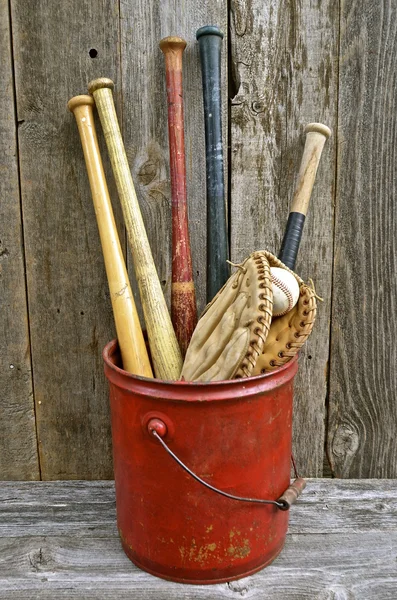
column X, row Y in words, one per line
column 291, row 240
column 316, row 136
column 218, row 271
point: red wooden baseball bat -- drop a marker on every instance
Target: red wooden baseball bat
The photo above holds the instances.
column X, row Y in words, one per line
column 183, row 298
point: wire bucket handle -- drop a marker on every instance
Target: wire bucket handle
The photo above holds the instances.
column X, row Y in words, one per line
column 158, row 429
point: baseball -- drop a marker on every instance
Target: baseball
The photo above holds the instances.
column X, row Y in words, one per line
column 285, row 291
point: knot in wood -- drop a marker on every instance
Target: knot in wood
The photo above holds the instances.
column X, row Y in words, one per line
column 258, row 106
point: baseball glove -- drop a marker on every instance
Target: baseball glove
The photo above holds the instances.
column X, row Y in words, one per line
column 236, row 335
column 233, row 328
column 288, row 333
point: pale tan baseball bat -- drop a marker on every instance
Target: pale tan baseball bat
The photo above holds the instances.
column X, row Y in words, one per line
column 316, row 136
column 165, row 351
column 129, row 334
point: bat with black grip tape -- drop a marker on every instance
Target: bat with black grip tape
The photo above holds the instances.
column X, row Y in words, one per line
column 316, row 136
column 164, row 348
column 129, row 334
column 218, row 271
column 183, row 297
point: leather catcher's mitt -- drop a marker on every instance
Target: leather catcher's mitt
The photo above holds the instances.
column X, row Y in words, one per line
column 230, row 334
column 288, row 333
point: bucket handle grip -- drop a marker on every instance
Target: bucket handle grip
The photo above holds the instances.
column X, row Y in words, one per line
column 285, row 501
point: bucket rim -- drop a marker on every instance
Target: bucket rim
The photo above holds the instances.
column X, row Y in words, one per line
column 283, row 374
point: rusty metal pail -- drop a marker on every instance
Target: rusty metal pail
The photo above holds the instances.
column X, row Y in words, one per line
column 236, row 436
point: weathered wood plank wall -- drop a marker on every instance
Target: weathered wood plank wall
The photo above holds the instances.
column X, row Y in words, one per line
column 66, row 286
column 18, row 454
column 144, row 102
column 363, row 407
column 284, row 63
column 288, row 63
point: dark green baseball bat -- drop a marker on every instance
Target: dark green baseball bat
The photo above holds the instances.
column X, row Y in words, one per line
column 218, row 271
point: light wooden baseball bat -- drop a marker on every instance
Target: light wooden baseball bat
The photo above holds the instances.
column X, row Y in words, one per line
column 165, row 352
column 183, row 296
column 316, row 136
column 129, row 334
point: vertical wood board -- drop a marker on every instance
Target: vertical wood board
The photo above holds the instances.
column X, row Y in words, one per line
column 18, row 443
column 69, row 305
column 284, row 66
column 312, row 36
column 363, row 378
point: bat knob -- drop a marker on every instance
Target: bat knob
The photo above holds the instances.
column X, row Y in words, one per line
column 83, row 100
column 208, row 30
column 172, row 43
column 318, row 128
column 97, row 84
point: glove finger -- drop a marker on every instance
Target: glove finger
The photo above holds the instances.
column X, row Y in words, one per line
column 232, row 355
column 213, row 348
column 216, row 342
column 214, row 314
column 241, row 311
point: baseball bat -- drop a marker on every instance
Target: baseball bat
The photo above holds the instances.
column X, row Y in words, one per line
column 165, row 352
column 129, row 334
column 218, row 270
column 316, row 136
column 183, row 298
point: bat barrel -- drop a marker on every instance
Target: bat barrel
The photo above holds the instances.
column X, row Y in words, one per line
column 210, row 44
column 129, row 333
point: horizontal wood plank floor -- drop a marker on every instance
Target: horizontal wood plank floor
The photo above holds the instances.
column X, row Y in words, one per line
column 59, row 540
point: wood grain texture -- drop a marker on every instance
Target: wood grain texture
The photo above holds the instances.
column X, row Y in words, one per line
column 18, row 444
column 288, row 66
column 363, row 381
column 61, row 539
column 284, row 65
column 69, row 306
column 145, row 130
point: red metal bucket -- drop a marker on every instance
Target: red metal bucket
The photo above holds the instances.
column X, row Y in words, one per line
column 235, row 435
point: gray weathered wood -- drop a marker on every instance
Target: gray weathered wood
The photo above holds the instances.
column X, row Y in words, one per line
column 18, row 443
column 78, row 507
column 363, row 382
column 69, row 308
column 284, row 64
column 284, row 61
column 61, row 539
column 145, row 128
